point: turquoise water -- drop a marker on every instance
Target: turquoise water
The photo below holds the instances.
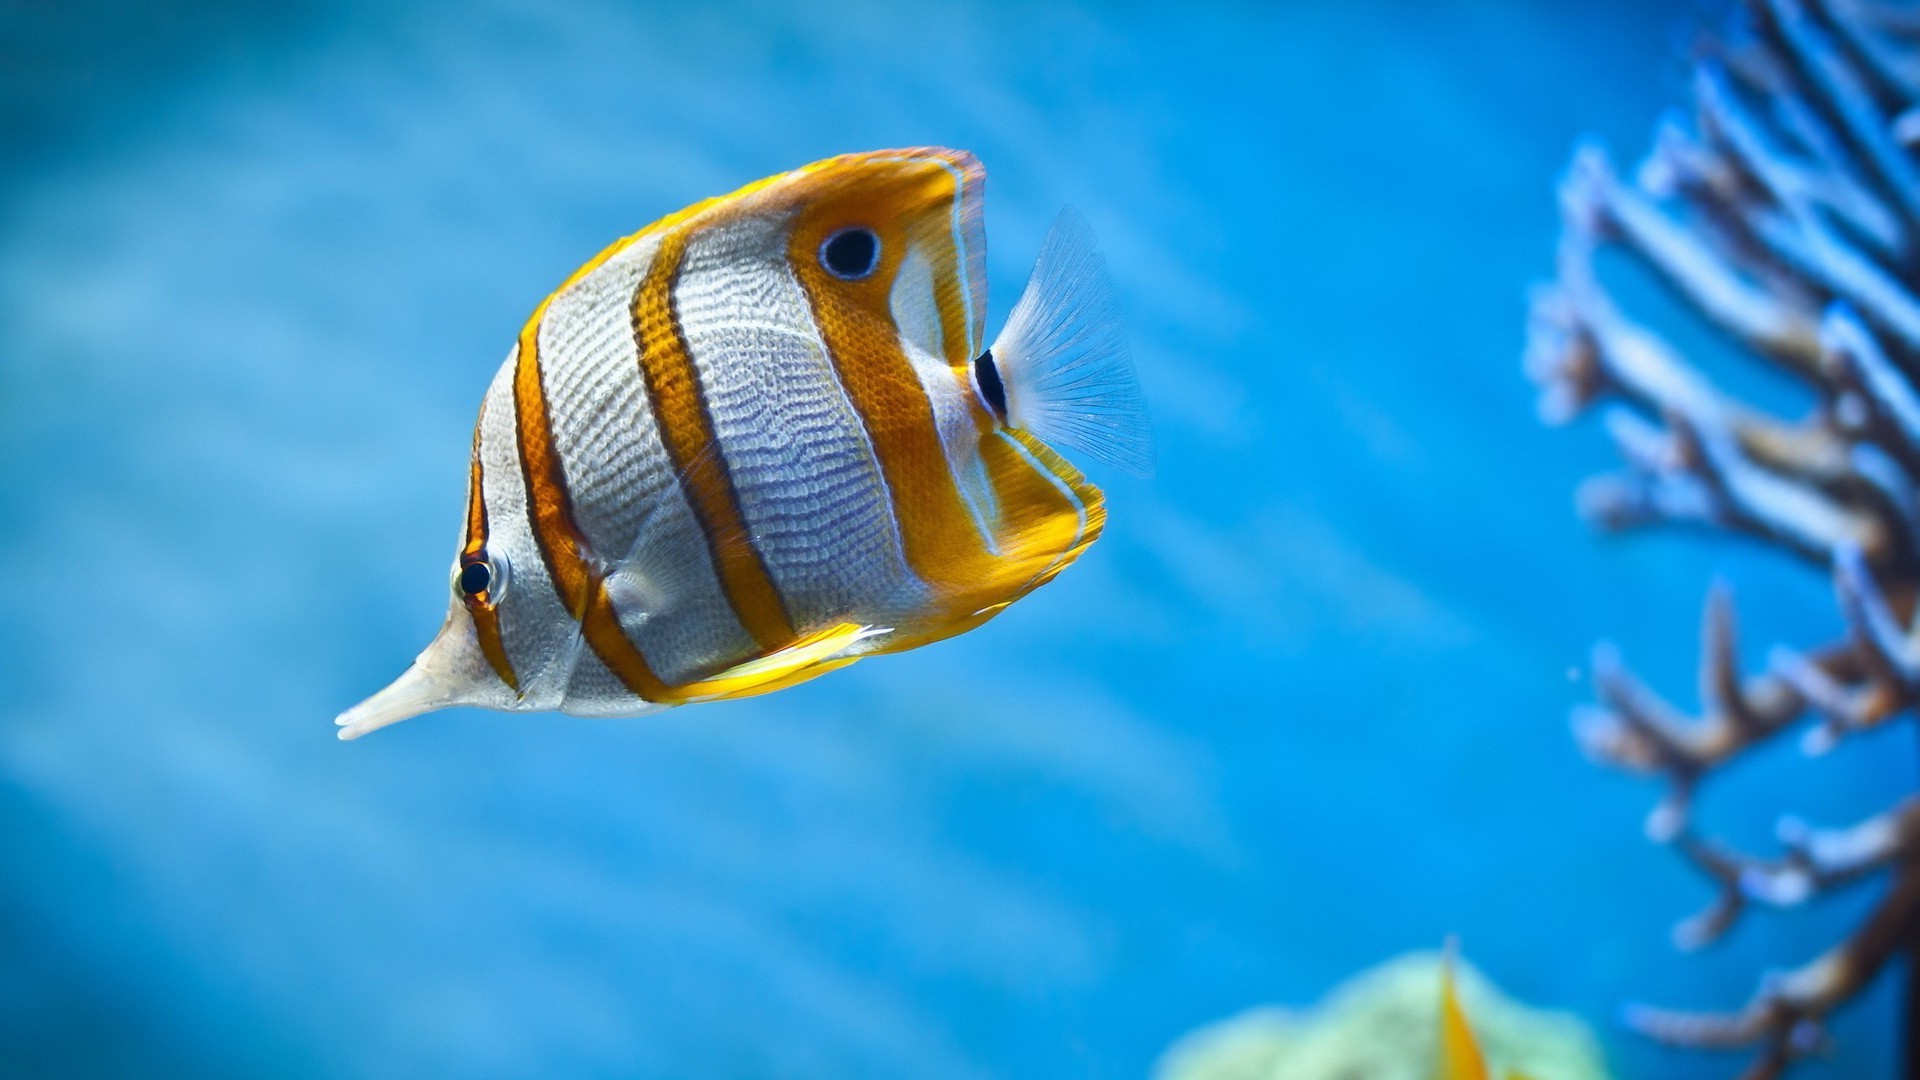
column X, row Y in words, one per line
column 1302, row 709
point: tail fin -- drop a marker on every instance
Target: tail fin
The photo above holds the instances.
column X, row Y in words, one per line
column 1063, row 360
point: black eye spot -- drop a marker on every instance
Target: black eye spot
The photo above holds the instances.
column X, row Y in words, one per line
column 987, row 374
column 475, row 577
column 851, row 254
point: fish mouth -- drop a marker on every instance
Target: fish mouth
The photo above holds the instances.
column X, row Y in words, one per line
column 417, row 690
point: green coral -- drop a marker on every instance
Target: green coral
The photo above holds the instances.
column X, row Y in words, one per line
column 1384, row 1025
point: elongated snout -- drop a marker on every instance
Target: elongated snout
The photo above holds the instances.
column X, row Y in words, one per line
column 451, row 670
column 416, row 691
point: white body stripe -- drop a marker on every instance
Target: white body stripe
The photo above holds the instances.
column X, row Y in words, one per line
column 916, row 313
column 809, row 484
column 972, row 263
column 626, row 499
column 972, row 279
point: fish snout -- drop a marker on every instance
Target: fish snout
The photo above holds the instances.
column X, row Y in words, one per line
column 416, row 691
column 450, row 671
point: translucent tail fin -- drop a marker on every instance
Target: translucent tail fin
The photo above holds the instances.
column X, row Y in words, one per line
column 1069, row 380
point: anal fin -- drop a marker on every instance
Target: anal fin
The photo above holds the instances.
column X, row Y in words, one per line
column 815, row 654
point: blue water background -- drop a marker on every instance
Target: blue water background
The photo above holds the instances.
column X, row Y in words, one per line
column 1302, row 709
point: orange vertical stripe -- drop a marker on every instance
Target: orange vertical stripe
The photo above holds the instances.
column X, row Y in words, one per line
column 942, row 541
column 481, row 608
column 1047, row 513
column 570, row 561
column 673, row 385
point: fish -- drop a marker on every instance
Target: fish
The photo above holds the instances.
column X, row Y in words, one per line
column 1460, row 1054
column 764, row 437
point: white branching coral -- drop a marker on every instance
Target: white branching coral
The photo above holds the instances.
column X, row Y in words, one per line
column 1784, row 205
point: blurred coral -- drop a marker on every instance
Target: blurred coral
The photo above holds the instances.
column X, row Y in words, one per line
column 1785, row 206
column 1384, row 1025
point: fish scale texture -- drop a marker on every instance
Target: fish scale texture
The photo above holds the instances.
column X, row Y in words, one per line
column 604, row 428
column 809, row 486
column 538, row 640
column 623, row 492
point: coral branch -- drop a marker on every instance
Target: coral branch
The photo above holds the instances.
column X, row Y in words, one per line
column 1637, row 730
column 1714, row 462
column 1816, row 861
column 1785, row 209
column 1786, row 1019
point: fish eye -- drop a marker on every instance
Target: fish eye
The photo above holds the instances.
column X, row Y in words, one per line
column 851, row 253
column 480, row 577
column 475, row 577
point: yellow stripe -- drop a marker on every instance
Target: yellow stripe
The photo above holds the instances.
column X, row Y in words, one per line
column 808, row 657
column 1051, row 516
column 957, row 295
column 686, row 427
column 1073, row 504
